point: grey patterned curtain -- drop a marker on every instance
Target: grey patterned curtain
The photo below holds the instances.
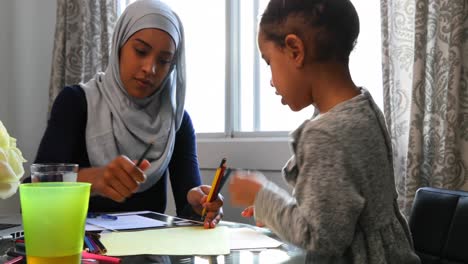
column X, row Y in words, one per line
column 82, row 41
column 425, row 68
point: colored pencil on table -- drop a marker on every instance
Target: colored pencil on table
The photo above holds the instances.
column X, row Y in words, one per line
column 88, row 244
column 16, row 260
column 100, row 258
column 102, row 249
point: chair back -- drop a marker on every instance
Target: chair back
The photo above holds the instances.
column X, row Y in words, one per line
column 439, row 225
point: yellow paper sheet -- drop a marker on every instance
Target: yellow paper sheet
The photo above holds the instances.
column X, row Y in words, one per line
column 168, row 241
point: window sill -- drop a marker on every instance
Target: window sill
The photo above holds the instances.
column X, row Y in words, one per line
column 259, row 153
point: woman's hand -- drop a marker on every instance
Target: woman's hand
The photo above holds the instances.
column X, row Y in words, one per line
column 197, row 197
column 117, row 180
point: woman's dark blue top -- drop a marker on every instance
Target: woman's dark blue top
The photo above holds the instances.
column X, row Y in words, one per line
column 64, row 142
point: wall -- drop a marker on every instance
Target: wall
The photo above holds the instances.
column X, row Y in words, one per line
column 26, row 37
column 5, row 59
column 6, row 44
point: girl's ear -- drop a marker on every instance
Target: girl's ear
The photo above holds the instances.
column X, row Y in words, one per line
column 295, row 47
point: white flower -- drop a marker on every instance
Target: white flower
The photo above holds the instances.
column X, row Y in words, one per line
column 11, row 164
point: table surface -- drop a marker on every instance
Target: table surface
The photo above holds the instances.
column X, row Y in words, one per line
column 286, row 253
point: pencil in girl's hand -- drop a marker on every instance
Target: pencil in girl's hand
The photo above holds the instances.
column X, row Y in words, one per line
column 143, row 156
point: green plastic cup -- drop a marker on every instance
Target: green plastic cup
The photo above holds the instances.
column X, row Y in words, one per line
column 54, row 216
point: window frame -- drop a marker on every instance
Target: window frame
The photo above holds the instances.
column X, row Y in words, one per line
column 234, row 144
column 232, row 83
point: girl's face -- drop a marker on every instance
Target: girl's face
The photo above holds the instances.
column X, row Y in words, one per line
column 145, row 60
column 286, row 74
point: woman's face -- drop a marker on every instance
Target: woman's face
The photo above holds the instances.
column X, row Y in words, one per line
column 145, row 60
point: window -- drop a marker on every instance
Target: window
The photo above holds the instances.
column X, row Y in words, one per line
column 228, row 90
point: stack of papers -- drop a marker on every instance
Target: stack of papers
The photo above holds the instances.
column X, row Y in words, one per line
column 185, row 241
column 161, row 234
column 168, row 241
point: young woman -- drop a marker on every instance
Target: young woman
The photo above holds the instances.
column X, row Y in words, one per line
column 106, row 124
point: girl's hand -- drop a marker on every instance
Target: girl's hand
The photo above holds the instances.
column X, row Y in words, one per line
column 249, row 212
column 117, row 180
column 244, row 187
column 197, row 197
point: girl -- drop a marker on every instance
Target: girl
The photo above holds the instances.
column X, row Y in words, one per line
column 344, row 205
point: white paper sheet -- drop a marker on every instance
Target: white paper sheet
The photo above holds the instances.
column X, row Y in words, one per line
column 125, row 222
column 247, row 238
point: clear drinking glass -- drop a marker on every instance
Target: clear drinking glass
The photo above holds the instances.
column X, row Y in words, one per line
column 54, row 172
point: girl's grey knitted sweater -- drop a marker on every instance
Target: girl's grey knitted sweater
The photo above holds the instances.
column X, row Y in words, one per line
column 344, row 204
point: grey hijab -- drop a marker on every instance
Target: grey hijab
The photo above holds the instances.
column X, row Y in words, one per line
column 119, row 124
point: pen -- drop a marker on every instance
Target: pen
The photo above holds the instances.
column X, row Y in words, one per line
column 109, row 217
column 143, row 156
column 103, row 216
column 215, row 183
